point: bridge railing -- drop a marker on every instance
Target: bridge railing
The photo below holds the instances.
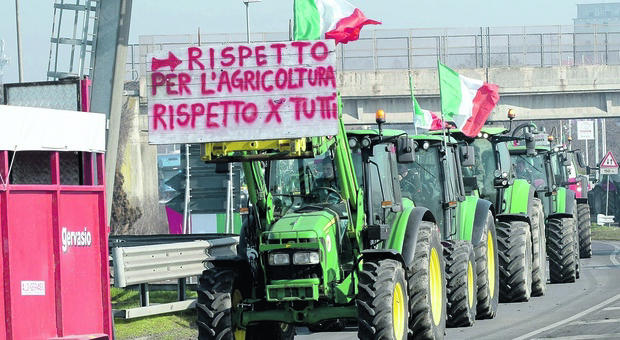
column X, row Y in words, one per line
column 480, row 47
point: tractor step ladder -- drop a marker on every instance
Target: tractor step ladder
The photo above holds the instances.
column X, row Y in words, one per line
column 72, row 49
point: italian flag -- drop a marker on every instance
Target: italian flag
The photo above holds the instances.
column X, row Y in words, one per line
column 465, row 101
column 423, row 119
column 328, row 19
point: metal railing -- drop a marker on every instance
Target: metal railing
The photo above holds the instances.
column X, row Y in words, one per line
column 481, row 47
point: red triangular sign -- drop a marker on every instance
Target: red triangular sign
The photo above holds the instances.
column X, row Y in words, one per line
column 609, row 161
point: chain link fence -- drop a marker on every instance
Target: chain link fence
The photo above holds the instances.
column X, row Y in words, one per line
column 480, row 47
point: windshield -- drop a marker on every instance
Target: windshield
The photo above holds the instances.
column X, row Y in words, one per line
column 531, row 169
column 299, row 183
column 484, row 169
column 421, row 181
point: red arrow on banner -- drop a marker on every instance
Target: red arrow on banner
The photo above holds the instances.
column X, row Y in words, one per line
column 172, row 61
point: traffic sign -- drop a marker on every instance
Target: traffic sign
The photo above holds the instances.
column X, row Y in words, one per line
column 609, row 165
column 585, row 129
column 604, row 219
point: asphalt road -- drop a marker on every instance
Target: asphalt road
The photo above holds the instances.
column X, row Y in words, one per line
column 587, row 309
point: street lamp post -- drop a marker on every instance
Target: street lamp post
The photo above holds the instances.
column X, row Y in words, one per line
column 247, row 17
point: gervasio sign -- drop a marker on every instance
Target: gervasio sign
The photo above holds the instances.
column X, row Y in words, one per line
column 81, row 238
column 242, row 91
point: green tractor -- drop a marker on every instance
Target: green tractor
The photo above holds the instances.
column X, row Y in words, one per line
column 518, row 211
column 467, row 227
column 568, row 178
column 328, row 237
column 541, row 166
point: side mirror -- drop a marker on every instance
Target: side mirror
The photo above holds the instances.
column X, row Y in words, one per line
column 580, row 159
column 467, row 154
column 530, row 144
column 405, row 150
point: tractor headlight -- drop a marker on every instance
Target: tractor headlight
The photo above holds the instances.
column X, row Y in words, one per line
column 279, row 259
column 306, row 257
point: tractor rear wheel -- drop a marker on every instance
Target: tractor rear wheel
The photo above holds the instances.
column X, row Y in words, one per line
column 560, row 249
column 539, row 250
column 515, row 261
column 488, row 271
column 461, row 283
column 382, row 300
column 585, row 233
column 427, row 285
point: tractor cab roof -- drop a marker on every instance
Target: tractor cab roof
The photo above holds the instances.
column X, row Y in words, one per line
column 375, row 132
column 488, row 130
column 433, row 138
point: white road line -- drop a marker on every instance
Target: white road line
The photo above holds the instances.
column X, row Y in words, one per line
column 586, row 337
column 588, row 322
column 572, row 318
column 611, row 308
column 612, row 256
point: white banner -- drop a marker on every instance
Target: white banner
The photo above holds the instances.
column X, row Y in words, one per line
column 242, row 92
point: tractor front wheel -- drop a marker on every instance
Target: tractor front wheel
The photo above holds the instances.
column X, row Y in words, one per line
column 382, row 301
column 515, row 261
column 585, row 233
column 488, row 271
column 218, row 296
column 461, row 283
column 427, row 285
column 539, row 250
column 560, row 249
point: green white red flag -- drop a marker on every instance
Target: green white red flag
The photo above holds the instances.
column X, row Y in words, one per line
column 328, row 19
column 466, row 102
column 423, row 119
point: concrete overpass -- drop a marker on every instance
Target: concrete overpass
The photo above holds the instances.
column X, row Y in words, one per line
column 556, row 92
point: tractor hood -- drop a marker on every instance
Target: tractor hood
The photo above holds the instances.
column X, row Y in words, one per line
column 303, row 225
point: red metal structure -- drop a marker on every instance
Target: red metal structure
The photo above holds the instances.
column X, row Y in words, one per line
column 55, row 274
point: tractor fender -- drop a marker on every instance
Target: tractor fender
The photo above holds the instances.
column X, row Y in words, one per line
column 480, row 219
column 379, row 254
column 513, row 217
column 238, row 264
column 559, row 215
column 405, row 236
column 565, row 202
column 582, row 200
column 521, row 196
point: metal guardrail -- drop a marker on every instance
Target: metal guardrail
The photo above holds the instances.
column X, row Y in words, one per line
column 477, row 47
column 167, row 261
column 137, row 264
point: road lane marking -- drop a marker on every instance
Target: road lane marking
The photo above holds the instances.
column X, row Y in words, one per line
column 611, row 308
column 586, row 337
column 570, row 319
column 612, row 256
column 588, row 322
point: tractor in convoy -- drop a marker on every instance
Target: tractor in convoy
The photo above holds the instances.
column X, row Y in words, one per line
column 518, row 211
column 328, row 236
column 566, row 176
column 467, row 224
column 541, row 166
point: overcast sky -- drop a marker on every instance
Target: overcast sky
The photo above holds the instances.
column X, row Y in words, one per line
column 185, row 16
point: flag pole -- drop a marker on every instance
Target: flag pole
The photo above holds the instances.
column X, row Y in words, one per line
column 443, row 122
column 415, row 126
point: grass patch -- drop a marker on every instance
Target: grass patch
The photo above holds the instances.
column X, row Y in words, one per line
column 605, row 233
column 180, row 325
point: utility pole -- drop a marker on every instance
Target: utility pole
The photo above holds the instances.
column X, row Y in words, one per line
column 20, row 66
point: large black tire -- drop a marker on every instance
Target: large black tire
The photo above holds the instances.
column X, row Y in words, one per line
column 576, row 244
column 427, row 282
column 381, row 284
column 585, row 233
column 488, row 271
column 560, row 249
column 219, row 293
column 461, row 283
column 539, row 250
column 515, row 261
column 215, row 305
